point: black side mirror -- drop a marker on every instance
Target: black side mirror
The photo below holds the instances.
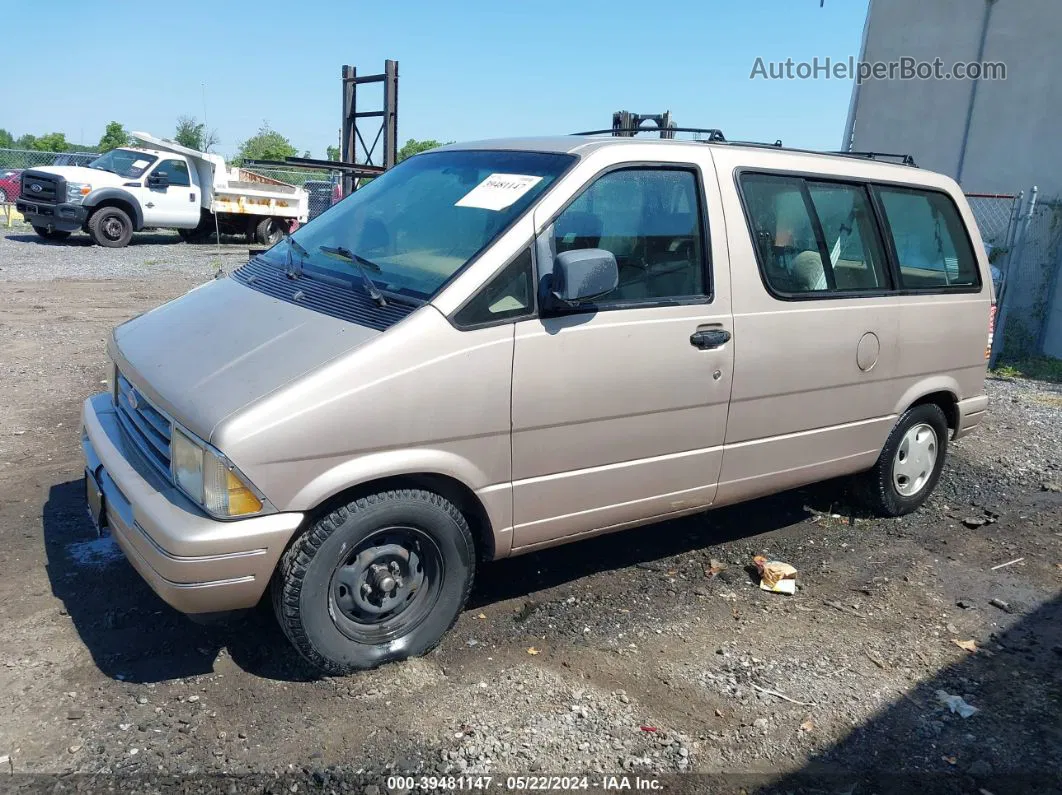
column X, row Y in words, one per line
column 160, row 179
column 583, row 274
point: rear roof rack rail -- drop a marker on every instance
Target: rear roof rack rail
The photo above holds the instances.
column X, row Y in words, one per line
column 905, row 160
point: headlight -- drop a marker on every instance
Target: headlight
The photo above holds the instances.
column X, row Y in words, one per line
column 77, row 191
column 208, row 479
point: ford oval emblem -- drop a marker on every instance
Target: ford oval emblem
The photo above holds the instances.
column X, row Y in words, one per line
column 36, row 188
column 134, row 400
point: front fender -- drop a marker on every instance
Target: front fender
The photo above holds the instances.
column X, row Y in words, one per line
column 496, row 498
column 100, row 195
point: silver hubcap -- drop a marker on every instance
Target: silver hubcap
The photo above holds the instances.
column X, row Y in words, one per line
column 914, row 460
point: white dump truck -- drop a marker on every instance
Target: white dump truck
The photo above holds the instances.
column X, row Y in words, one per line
column 159, row 185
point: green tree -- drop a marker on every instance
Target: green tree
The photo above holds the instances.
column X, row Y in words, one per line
column 415, row 147
column 114, row 136
column 194, row 134
column 332, row 153
column 7, row 140
column 267, row 144
column 52, row 142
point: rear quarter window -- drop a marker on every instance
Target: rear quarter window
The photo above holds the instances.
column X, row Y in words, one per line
column 933, row 249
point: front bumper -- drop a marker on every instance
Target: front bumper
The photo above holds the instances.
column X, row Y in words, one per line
column 196, row 564
column 62, row 217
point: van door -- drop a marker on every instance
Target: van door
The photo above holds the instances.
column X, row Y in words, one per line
column 619, row 407
column 815, row 392
column 173, row 201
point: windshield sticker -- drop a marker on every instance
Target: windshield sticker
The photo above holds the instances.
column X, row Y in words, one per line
column 140, row 163
column 498, row 191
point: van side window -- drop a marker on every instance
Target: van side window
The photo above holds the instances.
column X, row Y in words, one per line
column 857, row 256
column 507, row 295
column 784, row 233
column 932, row 246
column 651, row 220
column 813, row 236
column 177, row 170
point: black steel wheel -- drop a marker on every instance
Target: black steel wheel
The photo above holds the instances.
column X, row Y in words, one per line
column 110, row 227
column 380, row 579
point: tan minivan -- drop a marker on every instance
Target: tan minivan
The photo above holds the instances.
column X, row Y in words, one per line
column 501, row 346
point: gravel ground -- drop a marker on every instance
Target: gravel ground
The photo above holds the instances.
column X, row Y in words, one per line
column 650, row 652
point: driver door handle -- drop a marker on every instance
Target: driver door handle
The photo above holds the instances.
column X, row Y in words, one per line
column 709, row 339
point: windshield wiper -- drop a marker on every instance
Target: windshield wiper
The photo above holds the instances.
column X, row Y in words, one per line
column 295, row 271
column 363, row 265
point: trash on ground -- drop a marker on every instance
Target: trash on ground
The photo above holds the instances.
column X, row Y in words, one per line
column 532, row 650
column 956, row 704
column 775, row 576
column 807, row 725
column 714, row 567
column 1008, row 563
column 1004, row 606
column 649, row 728
column 974, row 521
column 968, row 645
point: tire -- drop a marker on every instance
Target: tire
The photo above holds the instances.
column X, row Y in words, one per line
column 910, row 464
column 334, row 590
column 268, row 232
column 3, row 196
column 51, row 234
column 110, row 227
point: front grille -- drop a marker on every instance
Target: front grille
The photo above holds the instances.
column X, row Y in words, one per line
column 148, row 427
column 40, row 187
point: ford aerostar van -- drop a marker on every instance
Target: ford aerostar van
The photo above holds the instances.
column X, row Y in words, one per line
column 501, row 346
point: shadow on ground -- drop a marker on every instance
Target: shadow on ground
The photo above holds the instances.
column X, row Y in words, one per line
column 134, row 636
column 1013, row 744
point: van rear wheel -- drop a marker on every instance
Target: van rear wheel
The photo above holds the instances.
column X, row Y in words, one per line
column 380, row 579
column 910, row 464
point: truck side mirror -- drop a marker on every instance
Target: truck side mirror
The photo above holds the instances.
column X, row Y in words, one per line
column 160, row 179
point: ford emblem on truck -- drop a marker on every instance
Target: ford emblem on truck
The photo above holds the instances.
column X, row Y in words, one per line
column 134, row 400
column 36, row 187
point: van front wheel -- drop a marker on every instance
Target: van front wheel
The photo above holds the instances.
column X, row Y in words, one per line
column 380, row 579
column 909, row 466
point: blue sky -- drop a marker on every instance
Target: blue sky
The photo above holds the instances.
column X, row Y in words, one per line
column 468, row 69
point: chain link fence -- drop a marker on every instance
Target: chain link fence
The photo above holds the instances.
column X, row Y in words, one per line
column 1023, row 235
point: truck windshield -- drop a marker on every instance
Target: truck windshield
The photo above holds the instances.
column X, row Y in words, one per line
column 423, row 220
column 124, row 162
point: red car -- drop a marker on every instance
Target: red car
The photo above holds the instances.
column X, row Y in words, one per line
column 10, row 184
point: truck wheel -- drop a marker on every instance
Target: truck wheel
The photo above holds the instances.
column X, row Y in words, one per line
column 50, row 234
column 110, row 227
column 909, row 466
column 380, row 579
column 269, row 231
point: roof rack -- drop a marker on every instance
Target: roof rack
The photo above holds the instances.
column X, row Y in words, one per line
column 905, row 160
column 714, row 135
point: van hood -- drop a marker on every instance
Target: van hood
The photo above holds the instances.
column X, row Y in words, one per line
column 222, row 346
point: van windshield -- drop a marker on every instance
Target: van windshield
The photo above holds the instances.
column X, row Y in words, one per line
column 412, row 228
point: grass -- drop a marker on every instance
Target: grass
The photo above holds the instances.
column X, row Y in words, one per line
column 1038, row 368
